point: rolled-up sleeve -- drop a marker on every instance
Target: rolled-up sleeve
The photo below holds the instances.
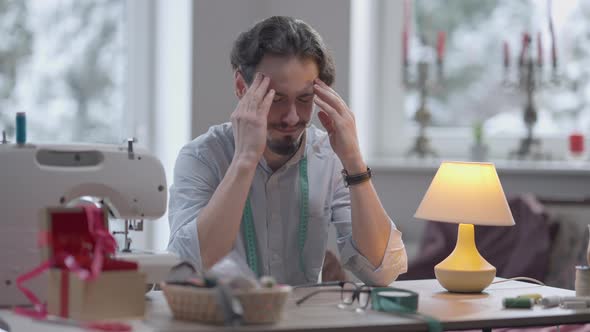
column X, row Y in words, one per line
column 194, row 184
column 395, row 260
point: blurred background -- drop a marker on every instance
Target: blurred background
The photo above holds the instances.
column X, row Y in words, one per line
column 100, row 71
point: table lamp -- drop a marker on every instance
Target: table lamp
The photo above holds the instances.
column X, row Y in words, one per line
column 465, row 193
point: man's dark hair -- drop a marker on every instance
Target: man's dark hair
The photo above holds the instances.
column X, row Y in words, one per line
column 281, row 36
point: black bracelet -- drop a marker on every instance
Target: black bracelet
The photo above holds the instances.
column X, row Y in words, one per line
column 351, row 180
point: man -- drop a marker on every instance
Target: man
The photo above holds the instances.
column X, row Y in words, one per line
column 264, row 188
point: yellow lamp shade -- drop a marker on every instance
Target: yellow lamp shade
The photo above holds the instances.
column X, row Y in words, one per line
column 464, row 192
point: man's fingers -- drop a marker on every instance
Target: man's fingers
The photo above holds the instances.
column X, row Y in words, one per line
column 326, row 121
column 266, row 102
column 252, row 98
column 255, row 83
column 330, row 98
column 327, row 108
column 330, row 90
column 262, row 88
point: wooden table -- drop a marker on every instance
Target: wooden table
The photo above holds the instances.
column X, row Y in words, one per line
column 485, row 310
column 455, row 311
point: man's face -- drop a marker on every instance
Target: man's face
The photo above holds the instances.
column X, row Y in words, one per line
column 292, row 79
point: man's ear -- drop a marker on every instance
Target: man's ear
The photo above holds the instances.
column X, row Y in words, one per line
column 240, row 85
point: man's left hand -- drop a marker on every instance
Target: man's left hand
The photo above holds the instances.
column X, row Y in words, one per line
column 340, row 124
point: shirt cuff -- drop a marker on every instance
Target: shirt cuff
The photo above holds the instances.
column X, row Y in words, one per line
column 394, row 263
column 185, row 243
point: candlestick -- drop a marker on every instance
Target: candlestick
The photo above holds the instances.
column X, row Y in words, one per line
column 539, row 50
column 553, row 55
column 506, row 55
column 552, row 32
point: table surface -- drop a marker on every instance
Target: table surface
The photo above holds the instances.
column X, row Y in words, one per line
column 455, row 311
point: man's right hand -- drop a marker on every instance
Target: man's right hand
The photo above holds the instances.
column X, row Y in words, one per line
column 249, row 121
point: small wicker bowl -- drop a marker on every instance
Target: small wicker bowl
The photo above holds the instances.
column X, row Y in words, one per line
column 261, row 305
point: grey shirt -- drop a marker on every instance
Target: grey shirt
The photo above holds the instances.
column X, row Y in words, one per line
column 274, row 197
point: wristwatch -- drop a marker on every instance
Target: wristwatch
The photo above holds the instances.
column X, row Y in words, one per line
column 352, row 179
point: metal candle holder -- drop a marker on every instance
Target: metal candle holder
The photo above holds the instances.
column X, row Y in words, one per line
column 530, row 79
column 423, row 85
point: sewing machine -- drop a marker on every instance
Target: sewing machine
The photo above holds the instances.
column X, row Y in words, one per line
column 130, row 182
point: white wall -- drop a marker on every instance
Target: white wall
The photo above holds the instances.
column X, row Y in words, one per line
column 217, row 24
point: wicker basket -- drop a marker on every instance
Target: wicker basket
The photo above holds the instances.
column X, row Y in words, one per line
column 261, row 305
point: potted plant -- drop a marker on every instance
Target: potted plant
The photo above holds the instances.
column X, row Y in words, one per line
column 479, row 150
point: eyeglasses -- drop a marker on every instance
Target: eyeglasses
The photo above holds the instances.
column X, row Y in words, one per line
column 402, row 302
column 349, row 291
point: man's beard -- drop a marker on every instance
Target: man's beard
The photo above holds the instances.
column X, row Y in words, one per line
column 284, row 146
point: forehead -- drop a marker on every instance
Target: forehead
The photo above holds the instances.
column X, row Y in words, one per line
column 289, row 75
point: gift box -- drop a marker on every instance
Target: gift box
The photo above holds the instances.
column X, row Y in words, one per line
column 85, row 282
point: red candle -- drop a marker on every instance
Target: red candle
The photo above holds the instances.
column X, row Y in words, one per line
column 539, row 50
column 553, row 47
column 553, row 54
column 506, row 55
column 406, row 32
column 526, row 39
column 440, row 46
column 405, row 46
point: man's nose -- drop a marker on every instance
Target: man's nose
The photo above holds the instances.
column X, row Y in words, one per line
column 291, row 117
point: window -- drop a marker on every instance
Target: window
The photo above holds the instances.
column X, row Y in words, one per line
column 473, row 91
column 63, row 62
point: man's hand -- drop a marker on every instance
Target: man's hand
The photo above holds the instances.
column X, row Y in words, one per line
column 249, row 121
column 339, row 121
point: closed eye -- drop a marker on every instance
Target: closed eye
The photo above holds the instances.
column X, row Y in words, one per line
column 306, row 98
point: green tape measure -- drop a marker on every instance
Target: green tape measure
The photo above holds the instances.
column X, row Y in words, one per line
column 250, row 233
column 401, row 301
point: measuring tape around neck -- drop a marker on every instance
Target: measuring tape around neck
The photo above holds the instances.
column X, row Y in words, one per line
column 250, row 233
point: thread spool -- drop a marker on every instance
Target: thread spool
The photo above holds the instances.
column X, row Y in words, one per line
column 582, row 284
column 574, row 305
column 550, row 301
column 21, row 128
column 517, row 302
column 533, row 296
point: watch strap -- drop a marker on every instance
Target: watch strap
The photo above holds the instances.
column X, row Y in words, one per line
column 353, row 179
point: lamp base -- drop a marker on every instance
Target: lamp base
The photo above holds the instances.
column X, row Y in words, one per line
column 465, row 271
column 465, row 281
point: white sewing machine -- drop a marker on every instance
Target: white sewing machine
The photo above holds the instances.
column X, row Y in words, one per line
column 34, row 177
